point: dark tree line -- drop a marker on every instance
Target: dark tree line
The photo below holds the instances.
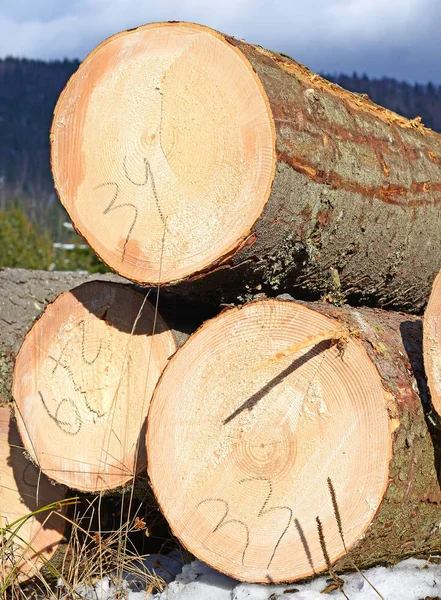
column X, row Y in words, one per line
column 28, row 92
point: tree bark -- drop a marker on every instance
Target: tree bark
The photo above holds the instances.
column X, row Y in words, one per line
column 25, row 490
column 334, row 428
column 237, row 165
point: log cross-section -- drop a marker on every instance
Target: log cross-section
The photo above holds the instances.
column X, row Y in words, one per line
column 432, row 344
column 320, row 417
column 26, row 542
column 180, row 152
column 82, row 384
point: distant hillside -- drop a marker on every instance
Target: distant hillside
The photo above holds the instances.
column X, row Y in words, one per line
column 28, row 93
column 29, row 90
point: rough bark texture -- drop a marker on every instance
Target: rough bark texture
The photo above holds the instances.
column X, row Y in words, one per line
column 355, row 204
column 24, row 295
column 408, row 519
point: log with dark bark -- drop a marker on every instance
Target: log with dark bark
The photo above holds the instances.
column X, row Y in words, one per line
column 26, row 544
column 180, row 152
column 82, row 384
column 249, row 442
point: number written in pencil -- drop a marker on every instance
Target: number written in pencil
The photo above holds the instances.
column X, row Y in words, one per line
column 228, row 518
column 113, row 205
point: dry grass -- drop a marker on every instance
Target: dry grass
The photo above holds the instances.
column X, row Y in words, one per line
column 94, row 549
column 336, row 583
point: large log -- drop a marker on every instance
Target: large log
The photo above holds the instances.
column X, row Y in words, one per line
column 248, row 443
column 26, row 544
column 82, row 384
column 181, row 152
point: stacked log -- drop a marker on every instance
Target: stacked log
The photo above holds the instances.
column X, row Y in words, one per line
column 320, row 417
column 282, row 437
column 432, row 344
column 218, row 159
column 82, row 385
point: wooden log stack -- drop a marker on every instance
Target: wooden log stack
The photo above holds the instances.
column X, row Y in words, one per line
column 283, row 437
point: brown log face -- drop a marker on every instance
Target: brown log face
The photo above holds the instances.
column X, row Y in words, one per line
column 163, row 150
column 83, row 382
column 432, row 344
column 250, row 446
column 23, row 489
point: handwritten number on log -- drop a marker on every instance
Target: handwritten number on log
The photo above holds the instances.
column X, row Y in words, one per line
column 71, row 428
column 126, row 173
column 223, row 522
column 68, row 369
column 58, row 362
column 82, row 324
column 112, row 206
column 264, row 510
column 148, row 176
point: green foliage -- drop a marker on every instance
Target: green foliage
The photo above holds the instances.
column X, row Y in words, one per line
column 21, row 243
column 79, row 259
column 24, row 245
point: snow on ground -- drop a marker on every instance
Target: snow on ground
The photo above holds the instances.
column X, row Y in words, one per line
column 411, row 579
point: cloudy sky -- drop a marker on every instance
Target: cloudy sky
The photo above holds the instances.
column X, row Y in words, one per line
column 396, row 38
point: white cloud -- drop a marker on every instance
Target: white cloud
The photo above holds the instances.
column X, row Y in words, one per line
column 391, row 37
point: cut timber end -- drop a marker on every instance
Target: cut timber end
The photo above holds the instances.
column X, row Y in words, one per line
column 24, row 490
column 432, row 344
column 241, row 469
column 188, row 157
column 163, row 150
column 82, row 384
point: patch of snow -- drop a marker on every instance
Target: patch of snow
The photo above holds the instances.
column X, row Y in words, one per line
column 165, row 567
column 62, row 246
column 411, row 579
column 196, row 582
